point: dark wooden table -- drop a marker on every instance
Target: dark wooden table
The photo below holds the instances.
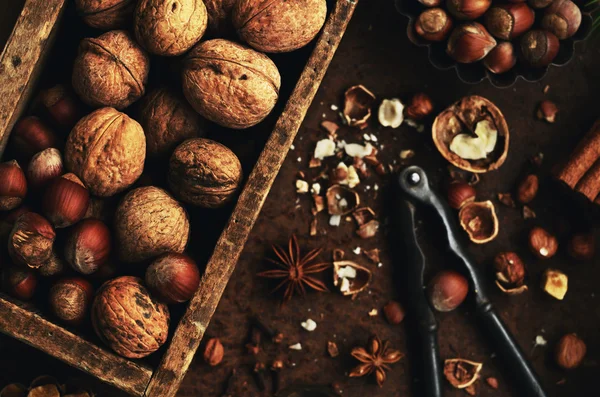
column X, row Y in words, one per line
column 376, row 53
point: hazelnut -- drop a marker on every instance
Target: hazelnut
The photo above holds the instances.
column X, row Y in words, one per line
column 420, row 107
column 470, row 43
column 44, row 167
column 31, row 240
column 174, row 278
column 169, row 28
column 582, row 246
column 468, row 9
column 547, row 111
column 30, row 136
column 570, row 351
column 507, row 21
column 139, row 327
column 542, row 244
column 70, row 300
column 106, row 149
column 219, row 17
column 510, row 272
column 278, row 26
column 501, row 59
column 13, row 185
column 61, row 105
column 528, row 188
column 19, row 282
column 430, row 3
column 479, row 220
column 230, row 84
column 539, row 3
column 113, row 54
column 167, row 120
column 204, row 173
column 88, row 246
column 394, row 312
column 433, row 24
column 562, row 18
column 106, row 14
column 65, row 201
column 555, row 283
column 213, row 352
column 447, row 290
column 460, row 193
column 539, row 48
column 149, row 222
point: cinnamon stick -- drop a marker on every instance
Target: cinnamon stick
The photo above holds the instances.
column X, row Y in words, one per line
column 583, row 157
column 589, row 185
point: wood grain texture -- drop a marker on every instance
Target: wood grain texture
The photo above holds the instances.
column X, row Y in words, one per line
column 29, row 327
column 23, row 57
column 173, row 367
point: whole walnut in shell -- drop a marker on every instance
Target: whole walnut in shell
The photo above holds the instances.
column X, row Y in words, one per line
column 169, row 27
column 279, row 25
column 106, row 14
column 106, row 150
column 149, row 222
column 204, row 173
column 230, row 84
column 128, row 319
column 110, row 70
column 219, row 16
column 167, row 120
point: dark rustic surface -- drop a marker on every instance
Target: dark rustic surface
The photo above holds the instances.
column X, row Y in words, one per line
column 376, row 53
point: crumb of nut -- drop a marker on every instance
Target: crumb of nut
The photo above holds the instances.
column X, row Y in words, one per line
column 314, row 163
column 213, row 352
column 547, row 111
column 330, row 127
column 528, row 213
column 537, row 159
column 332, row 349
column 373, row 312
column 492, row 382
column 295, row 346
column 356, row 250
column 555, row 283
column 373, row 255
column 540, row 341
column 358, row 150
column 391, row 113
column 506, row 199
column 278, row 338
column 301, row 186
column 277, row 365
column 313, row 227
column 315, row 188
column 407, row 154
column 546, row 89
column 562, row 381
column 335, row 220
column 309, row 325
column 324, row 148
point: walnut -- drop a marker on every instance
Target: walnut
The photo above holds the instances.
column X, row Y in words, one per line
column 149, row 222
column 106, row 149
column 230, row 84
column 106, row 14
column 128, row 320
column 110, row 70
column 219, row 16
column 279, row 25
column 169, row 27
column 204, row 173
column 167, row 120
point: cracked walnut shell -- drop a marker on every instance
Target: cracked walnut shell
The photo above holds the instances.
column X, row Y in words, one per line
column 105, row 14
column 169, row 27
column 106, row 150
column 110, row 70
column 279, row 25
column 128, row 319
column 204, row 173
column 149, row 222
column 230, row 84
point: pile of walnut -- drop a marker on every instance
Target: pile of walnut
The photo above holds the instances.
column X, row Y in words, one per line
column 77, row 160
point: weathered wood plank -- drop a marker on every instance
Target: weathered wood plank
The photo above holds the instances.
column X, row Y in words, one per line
column 23, row 57
column 189, row 332
column 31, row 328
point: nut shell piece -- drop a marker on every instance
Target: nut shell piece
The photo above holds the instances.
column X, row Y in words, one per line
column 169, row 27
column 462, row 117
column 128, row 319
column 356, row 284
column 110, row 70
column 149, row 222
column 106, row 14
column 205, row 173
column 230, row 84
column 106, row 149
column 479, row 221
column 279, row 25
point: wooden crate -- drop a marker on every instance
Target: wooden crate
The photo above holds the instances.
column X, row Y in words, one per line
column 21, row 62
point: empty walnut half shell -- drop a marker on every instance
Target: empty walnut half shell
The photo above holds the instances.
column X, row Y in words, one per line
column 357, row 106
column 350, row 277
column 462, row 373
column 472, row 134
column 479, row 221
column 341, row 200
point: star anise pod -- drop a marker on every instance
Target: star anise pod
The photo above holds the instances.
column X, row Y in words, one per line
column 295, row 270
column 376, row 358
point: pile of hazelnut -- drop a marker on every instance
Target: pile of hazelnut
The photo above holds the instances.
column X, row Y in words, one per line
column 500, row 34
column 77, row 205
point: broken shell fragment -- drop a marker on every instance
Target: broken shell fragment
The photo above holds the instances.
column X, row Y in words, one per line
column 367, row 224
column 345, row 175
column 391, row 113
column 341, row 200
column 462, row 373
column 350, row 277
column 357, row 106
column 479, row 221
column 555, row 283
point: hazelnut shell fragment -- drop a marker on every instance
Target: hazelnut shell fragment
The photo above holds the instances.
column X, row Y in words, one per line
column 341, row 200
column 355, row 285
column 480, row 222
column 547, row 111
column 510, row 273
column 357, row 105
column 462, row 373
